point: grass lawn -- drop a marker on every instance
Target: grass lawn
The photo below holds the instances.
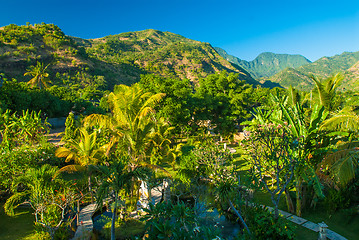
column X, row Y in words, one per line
column 341, row 221
column 21, row 226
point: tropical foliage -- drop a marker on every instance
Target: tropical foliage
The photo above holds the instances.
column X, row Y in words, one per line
column 160, row 147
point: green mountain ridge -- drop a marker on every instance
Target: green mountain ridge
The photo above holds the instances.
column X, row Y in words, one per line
column 347, row 63
column 266, row 64
column 122, row 59
column 163, row 53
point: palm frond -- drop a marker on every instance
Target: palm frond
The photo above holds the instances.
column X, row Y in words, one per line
column 342, row 121
column 342, row 164
column 14, row 201
column 72, row 168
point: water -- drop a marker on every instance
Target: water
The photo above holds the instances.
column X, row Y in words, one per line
column 209, row 217
column 100, row 219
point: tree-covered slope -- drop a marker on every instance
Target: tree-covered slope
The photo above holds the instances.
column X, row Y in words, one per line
column 69, row 64
column 323, row 68
column 162, row 53
column 266, row 64
column 351, row 78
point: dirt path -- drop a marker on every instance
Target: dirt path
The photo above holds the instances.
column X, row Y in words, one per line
column 55, row 136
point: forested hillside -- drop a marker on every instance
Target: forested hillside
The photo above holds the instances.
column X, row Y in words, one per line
column 163, row 53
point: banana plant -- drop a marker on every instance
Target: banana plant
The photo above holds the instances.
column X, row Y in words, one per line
column 308, row 135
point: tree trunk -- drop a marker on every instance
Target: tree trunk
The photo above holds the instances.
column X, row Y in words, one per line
column 276, row 208
column 149, row 189
column 299, row 198
column 289, row 201
column 113, row 222
column 90, row 187
column 166, row 191
column 304, row 190
column 239, row 216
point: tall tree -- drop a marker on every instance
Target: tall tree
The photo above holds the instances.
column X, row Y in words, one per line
column 131, row 121
column 272, row 152
column 133, row 125
column 223, row 99
column 39, row 74
column 176, row 106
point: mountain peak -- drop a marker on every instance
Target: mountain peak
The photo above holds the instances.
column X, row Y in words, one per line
column 266, row 64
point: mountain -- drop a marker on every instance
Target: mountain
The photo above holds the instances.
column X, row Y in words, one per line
column 163, row 53
column 266, row 64
column 69, row 64
column 107, row 61
column 351, row 78
column 299, row 78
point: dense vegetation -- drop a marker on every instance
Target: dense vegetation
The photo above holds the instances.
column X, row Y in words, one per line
column 169, row 132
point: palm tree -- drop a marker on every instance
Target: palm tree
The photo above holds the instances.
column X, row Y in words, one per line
column 115, row 178
column 39, row 74
column 37, row 184
column 341, row 163
column 131, row 121
column 134, row 127
column 44, row 193
column 85, row 152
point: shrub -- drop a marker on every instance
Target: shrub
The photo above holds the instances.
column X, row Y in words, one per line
column 128, row 229
column 264, row 226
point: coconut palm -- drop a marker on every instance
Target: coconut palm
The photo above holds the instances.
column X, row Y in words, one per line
column 341, row 163
column 131, row 121
column 39, row 74
column 85, row 152
column 135, row 130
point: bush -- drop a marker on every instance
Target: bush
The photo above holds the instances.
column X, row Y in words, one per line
column 71, row 126
column 15, row 162
column 125, row 229
column 264, row 226
column 336, row 199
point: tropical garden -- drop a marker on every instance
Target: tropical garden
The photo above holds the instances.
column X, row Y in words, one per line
column 219, row 148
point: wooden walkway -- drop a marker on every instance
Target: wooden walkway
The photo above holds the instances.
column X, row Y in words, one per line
column 307, row 224
column 85, row 227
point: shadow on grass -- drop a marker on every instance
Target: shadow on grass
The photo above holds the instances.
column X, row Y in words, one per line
column 21, row 226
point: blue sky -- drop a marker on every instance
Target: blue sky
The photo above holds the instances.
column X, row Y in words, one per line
column 243, row 28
